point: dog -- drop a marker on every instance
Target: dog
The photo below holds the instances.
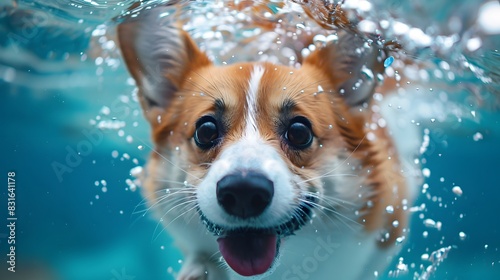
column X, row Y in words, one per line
column 269, row 171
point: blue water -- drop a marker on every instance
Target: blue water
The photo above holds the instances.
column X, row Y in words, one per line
column 85, row 221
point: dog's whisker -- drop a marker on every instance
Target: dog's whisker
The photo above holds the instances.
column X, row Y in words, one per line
column 331, row 200
column 176, row 218
column 328, row 176
column 161, row 195
column 165, row 199
column 185, row 183
column 200, row 88
column 160, row 204
column 166, row 159
column 346, row 159
column 328, row 210
column 181, row 206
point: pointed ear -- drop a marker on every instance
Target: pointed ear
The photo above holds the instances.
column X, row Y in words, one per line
column 352, row 67
column 159, row 55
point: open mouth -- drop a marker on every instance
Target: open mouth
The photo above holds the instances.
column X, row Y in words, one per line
column 252, row 251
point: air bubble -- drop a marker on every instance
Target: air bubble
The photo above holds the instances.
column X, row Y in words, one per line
column 462, row 235
column 426, row 172
column 388, row 61
column 132, row 186
column 457, row 190
column 477, row 136
column 136, row 171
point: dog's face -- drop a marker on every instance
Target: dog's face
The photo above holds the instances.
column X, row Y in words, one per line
column 258, row 147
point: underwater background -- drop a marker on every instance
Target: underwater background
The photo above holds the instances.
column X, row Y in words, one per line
column 74, row 137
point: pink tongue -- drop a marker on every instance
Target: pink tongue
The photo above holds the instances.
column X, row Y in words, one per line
column 248, row 255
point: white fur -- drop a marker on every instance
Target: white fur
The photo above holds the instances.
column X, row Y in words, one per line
column 253, row 91
column 248, row 154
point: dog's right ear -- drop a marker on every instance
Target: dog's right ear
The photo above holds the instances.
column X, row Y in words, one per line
column 159, row 55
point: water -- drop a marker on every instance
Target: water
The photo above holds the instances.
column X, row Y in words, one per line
column 76, row 138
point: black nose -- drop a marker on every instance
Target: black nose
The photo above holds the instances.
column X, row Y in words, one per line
column 245, row 194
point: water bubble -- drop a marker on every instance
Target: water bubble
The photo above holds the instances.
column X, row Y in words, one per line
column 424, row 257
column 140, row 147
column 426, row 172
column 430, row 223
column 457, row 190
column 105, row 110
column 474, row 44
column 136, row 171
column 400, row 240
column 110, row 124
column 104, row 189
column 388, row 61
column 367, row 26
column 367, row 72
column 488, row 17
column 462, row 235
column 389, row 209
column 132, row 186
column 319, row 39
column 477, row 136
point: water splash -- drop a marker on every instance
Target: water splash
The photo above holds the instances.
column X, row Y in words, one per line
column 436, row 257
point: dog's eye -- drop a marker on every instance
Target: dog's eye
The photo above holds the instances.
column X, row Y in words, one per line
column 299, row 134
column 206, row 133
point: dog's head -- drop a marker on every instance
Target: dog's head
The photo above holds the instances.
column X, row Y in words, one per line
column 259, row 147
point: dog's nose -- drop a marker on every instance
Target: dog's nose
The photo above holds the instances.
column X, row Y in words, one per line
column 246, row 194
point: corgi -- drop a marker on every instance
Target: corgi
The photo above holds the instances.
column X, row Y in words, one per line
column 266, row 171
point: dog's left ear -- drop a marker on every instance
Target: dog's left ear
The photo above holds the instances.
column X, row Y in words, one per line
column 159, row 55
column 352, row 67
